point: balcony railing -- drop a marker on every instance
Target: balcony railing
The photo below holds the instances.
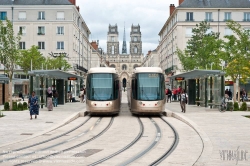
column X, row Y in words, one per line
column 246, row 20
column 40, row 33
column 60, row 18
column 170, row 69
column 21, row 18
column 40, row 18
column 189, row 20
column 209, row 20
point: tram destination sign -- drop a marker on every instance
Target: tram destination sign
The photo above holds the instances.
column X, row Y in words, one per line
column 179, row 78
column 72, row 78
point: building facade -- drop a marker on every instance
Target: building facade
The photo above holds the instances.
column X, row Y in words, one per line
column 124, row 63
column 56, row 27
column 177, row 30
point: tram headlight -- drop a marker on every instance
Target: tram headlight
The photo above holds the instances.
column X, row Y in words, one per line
column 92, row 103
column 140, row 102
column 110, row 103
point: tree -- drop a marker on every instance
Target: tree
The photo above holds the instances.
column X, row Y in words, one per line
column 9, row 50
column 237, row 54
column 58, row 63
column 203, row 49
column 29, row 56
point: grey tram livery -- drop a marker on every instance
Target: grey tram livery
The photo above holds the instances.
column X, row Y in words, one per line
column 146, row 92
column 103, row 92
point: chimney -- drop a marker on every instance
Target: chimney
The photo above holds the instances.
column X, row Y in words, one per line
column 180, row 2
column 149, row 52
column 94, row 45
column 78, row 8
column 171, row 8
column 73, row 2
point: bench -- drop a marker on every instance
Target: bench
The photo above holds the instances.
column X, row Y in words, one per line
column 214, row 104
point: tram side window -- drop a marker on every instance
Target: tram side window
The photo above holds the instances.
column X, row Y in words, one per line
column 134, row 88
column 116, row 89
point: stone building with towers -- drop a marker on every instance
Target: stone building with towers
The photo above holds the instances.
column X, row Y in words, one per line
column 124, row 62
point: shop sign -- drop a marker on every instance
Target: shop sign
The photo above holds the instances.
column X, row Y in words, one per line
column 72, row 78
column 227, row 83
column 179, row 78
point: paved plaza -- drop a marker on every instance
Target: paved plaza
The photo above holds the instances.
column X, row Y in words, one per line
column 223, row 138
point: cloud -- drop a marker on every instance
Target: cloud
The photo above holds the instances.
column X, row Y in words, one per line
column 149, row 14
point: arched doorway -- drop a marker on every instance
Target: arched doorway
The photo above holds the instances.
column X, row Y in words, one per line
column 124, row 83
column 124, row 78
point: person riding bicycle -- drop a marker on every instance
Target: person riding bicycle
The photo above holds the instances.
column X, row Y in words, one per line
column 224, row 103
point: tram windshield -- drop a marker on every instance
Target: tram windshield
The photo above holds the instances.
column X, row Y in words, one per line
column 150, row 86
column 100, row 87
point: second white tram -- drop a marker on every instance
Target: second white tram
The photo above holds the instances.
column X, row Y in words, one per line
column 103, row 91
column 146, row 92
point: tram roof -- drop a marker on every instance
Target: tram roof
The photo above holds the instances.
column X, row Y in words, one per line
column 57, row 74
column 148, row 70
column 195, row 74
column 102, row 70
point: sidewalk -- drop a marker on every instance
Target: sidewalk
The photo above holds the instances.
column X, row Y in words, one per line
column 228, row 131
column 16, row 125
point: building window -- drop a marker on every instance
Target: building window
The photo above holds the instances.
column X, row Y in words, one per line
column 112, row 38
column 41, row 15
column 112, row 30
column 246, row 16
column 22, row 45
column 189, row 32
column 135, row 50
column 124, row 67
column 60, row 45
column 135, row 38
column 22, row 16
column 113, row 50
column 228, row 32
column 227, row 16
column 22, row 30
column 60, row 30
column 189, row 16
column 41, row 45
column 112, row 65
column 209, row 17
column 3, row 15
column 41, row 31
column 135, row 30
column 60, row 16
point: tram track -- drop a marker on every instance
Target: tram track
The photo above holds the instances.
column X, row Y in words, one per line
column 172, row 147
column 70, row 148
column 45, row 141
column 125, row 148
column 55, row 145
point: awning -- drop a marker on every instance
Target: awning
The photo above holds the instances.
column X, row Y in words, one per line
column 195, row 74
column 56, row 74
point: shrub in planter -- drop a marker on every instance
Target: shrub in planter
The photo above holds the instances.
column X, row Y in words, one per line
column 243, row 106
column 6, row 106
column 229, row 105
column 14, row 106
column 236, row 106
column 25, row 106
column 20, row 106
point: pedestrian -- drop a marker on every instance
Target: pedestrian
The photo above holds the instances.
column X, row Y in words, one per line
column 81, row 95
column 55, row 98
column 49, row 99
column 169, row 95
column 69, row 95
column 21, row 95
column 183, row 100
column 33, row 104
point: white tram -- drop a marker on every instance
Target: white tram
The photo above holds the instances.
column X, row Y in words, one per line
column 103, row 91
column 146, row 91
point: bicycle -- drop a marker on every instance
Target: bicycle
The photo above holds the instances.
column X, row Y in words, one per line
column 225, row 106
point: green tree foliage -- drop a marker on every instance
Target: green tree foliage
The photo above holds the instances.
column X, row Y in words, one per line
column 202, row 49
column 57, row 63
column 31, row 55
column 9, row 50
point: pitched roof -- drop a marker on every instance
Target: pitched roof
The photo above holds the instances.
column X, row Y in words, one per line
column 35, row 2
column 215, row 4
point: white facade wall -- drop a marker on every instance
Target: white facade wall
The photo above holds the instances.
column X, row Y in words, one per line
column 75, row 32
column 177, row 31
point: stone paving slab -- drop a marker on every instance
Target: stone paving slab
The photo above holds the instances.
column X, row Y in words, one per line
column 15, row 123
column 227, row 132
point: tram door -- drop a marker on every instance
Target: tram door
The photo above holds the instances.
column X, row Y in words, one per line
column 124, row 83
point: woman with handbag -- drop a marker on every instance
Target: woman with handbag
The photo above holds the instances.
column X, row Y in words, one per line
column 34, row 108
column 183, row 100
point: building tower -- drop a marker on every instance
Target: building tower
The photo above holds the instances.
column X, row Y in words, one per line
column 112, row 41
column 124, row 46
column 135, row 40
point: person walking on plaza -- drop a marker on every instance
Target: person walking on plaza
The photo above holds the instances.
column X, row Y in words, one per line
column 21, row 95
column 81, row 95
column 183, row 100
column 69, row 95
column 49, row 99
column 169, row 95
column 33, row 104
column 55, row 98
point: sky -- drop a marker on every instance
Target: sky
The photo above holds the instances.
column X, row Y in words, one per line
column 151, row 15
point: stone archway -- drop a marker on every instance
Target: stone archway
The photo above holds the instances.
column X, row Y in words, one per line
column 124, row 76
